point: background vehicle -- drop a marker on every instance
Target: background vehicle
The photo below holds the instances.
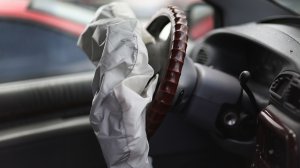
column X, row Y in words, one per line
column 38, row 39
column 44, row 121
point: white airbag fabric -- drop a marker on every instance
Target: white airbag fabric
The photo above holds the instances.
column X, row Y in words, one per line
column 114, row 42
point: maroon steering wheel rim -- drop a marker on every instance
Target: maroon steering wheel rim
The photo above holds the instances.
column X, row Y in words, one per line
column 165, row 94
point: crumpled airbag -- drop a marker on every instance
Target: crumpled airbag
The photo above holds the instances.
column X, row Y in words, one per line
column 123, row 84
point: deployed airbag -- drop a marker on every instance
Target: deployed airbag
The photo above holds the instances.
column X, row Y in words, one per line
column 123, row 84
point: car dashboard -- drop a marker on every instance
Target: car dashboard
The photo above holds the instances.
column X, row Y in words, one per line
column 269, row 50
column 265, row 49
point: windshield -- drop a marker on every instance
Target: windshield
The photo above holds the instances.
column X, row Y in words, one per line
column 144, row 9
column 49, row 30
column 293, row 5
column 63, row 10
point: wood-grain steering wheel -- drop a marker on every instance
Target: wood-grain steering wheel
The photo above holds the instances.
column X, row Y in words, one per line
column 167, row 59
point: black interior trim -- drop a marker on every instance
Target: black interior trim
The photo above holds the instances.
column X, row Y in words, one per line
column 44, row 96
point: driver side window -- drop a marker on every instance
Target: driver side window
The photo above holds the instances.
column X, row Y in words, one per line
column 29, row 50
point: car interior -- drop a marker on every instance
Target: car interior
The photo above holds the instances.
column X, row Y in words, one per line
column 237, row 103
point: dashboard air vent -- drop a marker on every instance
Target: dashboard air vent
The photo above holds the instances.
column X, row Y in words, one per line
column 280, row 84
column 293, row 95
column 202, row 57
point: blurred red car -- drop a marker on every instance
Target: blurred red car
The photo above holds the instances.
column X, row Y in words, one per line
column 31, row 11
column 38, row 39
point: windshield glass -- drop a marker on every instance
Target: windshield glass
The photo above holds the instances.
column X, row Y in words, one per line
column 144, row 9
column 63, row 10
column 49, row 30
column 293, row 5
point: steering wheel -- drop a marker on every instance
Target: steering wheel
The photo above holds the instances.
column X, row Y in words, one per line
column 167, row 59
